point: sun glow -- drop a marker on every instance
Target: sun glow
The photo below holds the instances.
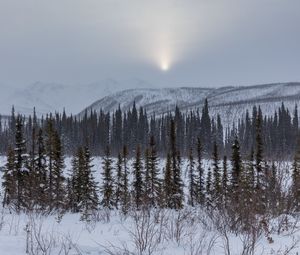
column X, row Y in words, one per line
column 165, row 60
column 165, row 66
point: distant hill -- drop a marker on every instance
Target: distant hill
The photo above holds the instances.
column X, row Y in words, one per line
column 230, row 102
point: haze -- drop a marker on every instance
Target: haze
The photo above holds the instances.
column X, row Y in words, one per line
column 164, row 43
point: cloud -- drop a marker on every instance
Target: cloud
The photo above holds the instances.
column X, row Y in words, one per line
column 203, row 41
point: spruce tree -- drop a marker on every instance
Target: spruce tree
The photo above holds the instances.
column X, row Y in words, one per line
column 41, row 172
column 138, row 179
column 119, row 178
column 32, row 178
column 125, row 201
column 168, row 182
column 177, row 185
column 147, row 186
column 9, row 180
column 50, row 151
column 236, row 165
column 75, row 193
column 216, row 175
column 107, row 189
column 259, row 146
column 225, row 181
column 154, row 181
column 200, row 174
column 208, row 188
column 58, row 177
column 260, row 173
column 205, row 128
column 296, row 178
column 20, row 165
column 90, row 200
column 192, row 179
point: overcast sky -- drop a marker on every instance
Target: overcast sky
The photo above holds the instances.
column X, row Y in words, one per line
column 200, row 42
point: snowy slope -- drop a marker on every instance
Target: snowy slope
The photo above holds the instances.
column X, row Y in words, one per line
column 230, row 102
column 51, row 97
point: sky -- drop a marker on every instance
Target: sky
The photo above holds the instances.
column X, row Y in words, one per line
column 164, row 43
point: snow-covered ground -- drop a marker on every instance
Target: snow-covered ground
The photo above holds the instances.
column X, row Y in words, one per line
column 71, row 236
column 165, row 232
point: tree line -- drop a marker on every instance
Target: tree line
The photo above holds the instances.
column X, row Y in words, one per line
column 240, row 184
column 135, row 127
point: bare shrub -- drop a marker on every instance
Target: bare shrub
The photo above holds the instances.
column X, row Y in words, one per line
column 102, row 215
column 42, row 242
column 250, row 240
column 145, row 232
column 200, row 243
column 288, row 250
column 177, row 225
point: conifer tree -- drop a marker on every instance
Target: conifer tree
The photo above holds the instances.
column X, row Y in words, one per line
column 205, row 128
column 260, row 174
column 236, row 165
column 119, row 178
column 295, row 121
column 9, row 180
column 147, row 186
column 107, row 188
column 155, row 182
column 192, row 180
column 20, row 165
column 58, row 177
column 90, row 200
column 247, row 199
column 259, row 146
column 32, row 182
column 125, row 182
column 296, row 178
column 70, row 195
column 75, row 193
column 225, row 181
column 41, row 172
column 50, row 151
column 177, row 185
column 208, row 189
column 275, row 197
column 200, row 175
column 216, row 174
column 168, row 182
column 251, row 172
column 138, row 179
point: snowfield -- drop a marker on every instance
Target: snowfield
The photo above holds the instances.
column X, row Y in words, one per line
column 162, row 232
column 118, row 235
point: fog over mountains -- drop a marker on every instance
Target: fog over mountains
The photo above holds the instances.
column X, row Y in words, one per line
column 51, row 97
column 230, row 102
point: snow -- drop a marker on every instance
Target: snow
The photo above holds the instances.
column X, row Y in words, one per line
column 230, row 102
column 69, row 235
column 95, row 238
column 51, row 97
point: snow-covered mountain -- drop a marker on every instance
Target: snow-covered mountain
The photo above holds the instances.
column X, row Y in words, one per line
column 51, row 97
column 230, row 102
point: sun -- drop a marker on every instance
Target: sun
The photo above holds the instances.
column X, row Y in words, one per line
column 165, row 66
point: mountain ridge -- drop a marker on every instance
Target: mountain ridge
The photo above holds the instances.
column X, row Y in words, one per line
column 230, row 102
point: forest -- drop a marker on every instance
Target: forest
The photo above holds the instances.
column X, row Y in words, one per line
column 243, row 179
